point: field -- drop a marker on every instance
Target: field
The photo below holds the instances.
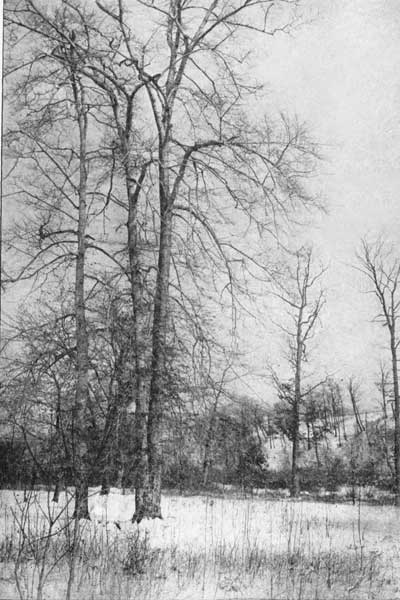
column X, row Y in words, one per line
column 204, row 548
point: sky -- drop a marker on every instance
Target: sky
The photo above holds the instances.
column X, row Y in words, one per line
column 340, row 73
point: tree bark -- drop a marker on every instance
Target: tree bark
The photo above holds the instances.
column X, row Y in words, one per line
column 56, row 493
column 385, row 428
column 393, row 350
column 143, row 493
column 81, row 509
column 79, row 448
column 294, row 483
column 159, row 337
column 148, row 489
column 294, row 479
column 383, row 269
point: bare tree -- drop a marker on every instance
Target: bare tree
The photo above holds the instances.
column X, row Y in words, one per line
column 380, row 264
column 220, row 150
column 203, row 163
column 217, row 390
column 353, row 389
column 58, row 199
column 82, row 357
column 305, row 302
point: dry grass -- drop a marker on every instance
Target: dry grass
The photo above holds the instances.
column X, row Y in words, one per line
column 203, row 548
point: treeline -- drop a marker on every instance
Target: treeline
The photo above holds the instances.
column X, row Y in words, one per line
column 238, row 443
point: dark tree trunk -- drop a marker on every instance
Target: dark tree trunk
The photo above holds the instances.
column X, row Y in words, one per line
column 309, row 446
column 343, row 419
column 105, row 484
column 81, row 509
column 57, row 489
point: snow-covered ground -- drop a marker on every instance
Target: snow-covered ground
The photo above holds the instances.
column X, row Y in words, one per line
column 204, row 547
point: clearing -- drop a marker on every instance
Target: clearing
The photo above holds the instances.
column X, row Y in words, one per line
column 205, row 547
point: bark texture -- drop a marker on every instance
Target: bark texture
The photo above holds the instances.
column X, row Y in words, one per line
column 79, row 449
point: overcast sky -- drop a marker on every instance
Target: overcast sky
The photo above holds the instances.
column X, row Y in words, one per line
column 341, row 75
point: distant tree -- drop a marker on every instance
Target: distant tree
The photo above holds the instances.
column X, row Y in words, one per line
column 380, row 263
column 353, row 389
column 365, row 456
column 304, row 298
column 241, row 436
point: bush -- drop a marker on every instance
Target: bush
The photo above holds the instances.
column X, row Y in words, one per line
column 140, row 558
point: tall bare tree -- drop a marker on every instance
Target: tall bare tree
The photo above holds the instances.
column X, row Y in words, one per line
column 305, row 299
column 380, row 263
column 207, row 151
column 202, row 163
column 48, row 139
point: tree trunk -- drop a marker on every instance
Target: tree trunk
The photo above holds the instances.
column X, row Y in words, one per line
column 57, row 489
column 79, row 449
column 309, row 446
column 159, row 337
column 393, row 349
column 208, row 443
column 385, row 431
column 294, row 479
column 343, row 420
column 359, row 424
column 207, row 458
column 120, row 477
column 105, row 483
column 155, row 423
column 315, row 440
column 143, row 496
column 294, row 483
column 81, row 510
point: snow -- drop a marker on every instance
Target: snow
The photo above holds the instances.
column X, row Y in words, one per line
column 198, row 530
